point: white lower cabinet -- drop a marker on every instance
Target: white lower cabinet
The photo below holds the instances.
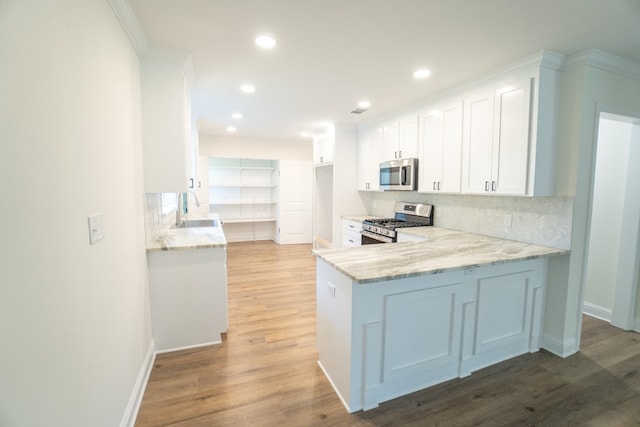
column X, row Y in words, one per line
column 188, row 297
column 351, row 233
column 379, row 341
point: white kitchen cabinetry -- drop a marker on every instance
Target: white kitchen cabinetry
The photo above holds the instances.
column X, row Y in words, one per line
column 378, row 341
column 441, row 149
column 242, row 193
column 496, row 133
column 400, row 139
column 166, row 125
column 188, row 297
column 351, row 233
column 323, row 150
column 369, row 158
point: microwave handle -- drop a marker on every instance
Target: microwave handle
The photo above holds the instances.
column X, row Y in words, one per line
column 404, row 175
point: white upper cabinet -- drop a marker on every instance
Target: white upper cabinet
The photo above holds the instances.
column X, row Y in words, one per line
column 440, row 149
column 400, row 139
column 166, row 125
column 369, row 158
column 497, row 121
column 323, row 149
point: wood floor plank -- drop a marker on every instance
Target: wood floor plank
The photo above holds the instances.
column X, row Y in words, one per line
column 265, row 372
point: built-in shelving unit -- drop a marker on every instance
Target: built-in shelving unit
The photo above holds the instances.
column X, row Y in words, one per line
column 243, row 192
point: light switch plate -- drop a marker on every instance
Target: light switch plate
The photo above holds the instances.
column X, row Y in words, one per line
column 96, row 230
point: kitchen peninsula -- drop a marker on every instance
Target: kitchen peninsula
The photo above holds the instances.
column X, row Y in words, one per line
column 396, row 318
column 188, row 284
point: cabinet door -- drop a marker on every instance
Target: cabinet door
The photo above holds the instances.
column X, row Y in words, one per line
column 390, row 141
column 323, row 151
column 422, row 331
column 478, row 142
column 369, row 147
column 451, row 148
column 430, row 166
column 408, row 145
column 511, row 141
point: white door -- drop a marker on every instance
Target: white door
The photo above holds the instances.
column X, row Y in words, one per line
column 478, row 142
column 295, row 204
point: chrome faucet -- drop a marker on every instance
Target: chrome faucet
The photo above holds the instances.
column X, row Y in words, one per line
column 180, row 207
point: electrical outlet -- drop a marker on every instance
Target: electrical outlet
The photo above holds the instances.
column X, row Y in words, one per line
column 96, row 230
column 332, row 290
column 506, row 221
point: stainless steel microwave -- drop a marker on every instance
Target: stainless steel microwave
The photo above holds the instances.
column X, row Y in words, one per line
column 399, row 175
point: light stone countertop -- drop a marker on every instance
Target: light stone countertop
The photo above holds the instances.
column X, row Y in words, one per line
column 173, row 238
column 444, row 250
column 359, row 217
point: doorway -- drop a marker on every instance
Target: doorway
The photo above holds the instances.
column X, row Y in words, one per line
column 613, row 261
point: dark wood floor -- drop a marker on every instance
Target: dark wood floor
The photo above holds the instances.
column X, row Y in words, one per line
column 265, row 372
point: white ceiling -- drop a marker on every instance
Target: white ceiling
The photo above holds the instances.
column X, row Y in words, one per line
column 333, row 53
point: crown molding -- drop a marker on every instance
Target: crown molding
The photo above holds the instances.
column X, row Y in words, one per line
column 605, row 61
column 129, row 22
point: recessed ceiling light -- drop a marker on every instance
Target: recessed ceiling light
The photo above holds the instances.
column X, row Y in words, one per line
column 231, row 129
column 247, row 88
column 421, row 73
column 305, row 134
column 364, row 104
column 236, row 116
column 266, row 42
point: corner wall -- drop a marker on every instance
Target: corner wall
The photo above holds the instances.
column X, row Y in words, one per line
column 74, row 318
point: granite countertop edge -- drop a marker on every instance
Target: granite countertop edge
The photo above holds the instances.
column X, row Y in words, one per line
column 431, row 256
column 171, row 238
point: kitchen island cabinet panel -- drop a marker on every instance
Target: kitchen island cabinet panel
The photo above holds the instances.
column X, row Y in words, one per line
column 381, row 340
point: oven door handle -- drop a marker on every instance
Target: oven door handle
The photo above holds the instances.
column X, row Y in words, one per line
column 384, row 239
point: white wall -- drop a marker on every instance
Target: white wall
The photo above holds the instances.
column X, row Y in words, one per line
column 613, row 145
column 255, row 148
column 585, row 89
column 74, row 318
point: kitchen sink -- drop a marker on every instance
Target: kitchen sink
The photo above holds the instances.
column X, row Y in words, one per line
column 189, row 223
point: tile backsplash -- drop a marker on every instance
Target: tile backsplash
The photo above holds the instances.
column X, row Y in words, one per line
column 160, row 212
column 538, row 220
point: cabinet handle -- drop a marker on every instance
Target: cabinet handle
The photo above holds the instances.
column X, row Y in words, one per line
column 439, row 185
column 199, row 184
column 395, row 154
column 191, row 182
column 400, row 154
column 493, row 186
column 433, row 187
column 486, row 186
column 321, row 159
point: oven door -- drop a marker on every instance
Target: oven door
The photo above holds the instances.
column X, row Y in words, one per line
column 369, row 238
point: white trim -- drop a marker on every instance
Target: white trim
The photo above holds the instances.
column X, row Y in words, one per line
column 636, row 327
column 605, row 61
column 562, row 348
column 597, row 311
column 130, row 24
column 189, row 347
column 131, row 412
column 344, row 402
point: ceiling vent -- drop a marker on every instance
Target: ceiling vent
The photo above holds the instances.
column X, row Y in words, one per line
column 359, row 110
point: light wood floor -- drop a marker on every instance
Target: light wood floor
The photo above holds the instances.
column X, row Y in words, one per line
column 265, row 371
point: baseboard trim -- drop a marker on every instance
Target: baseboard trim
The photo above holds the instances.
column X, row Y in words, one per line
column 636, row 326
column 131, row 412
column 561, row 348
column 189, row 347
column 597, row 311
column 344, row 402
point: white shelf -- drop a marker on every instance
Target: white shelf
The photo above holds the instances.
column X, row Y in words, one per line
column 241, row 168
column 243, row 202
column 245, row 220
column 242, row 186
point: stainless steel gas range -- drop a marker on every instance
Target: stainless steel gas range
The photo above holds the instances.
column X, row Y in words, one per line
column 383, row 230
